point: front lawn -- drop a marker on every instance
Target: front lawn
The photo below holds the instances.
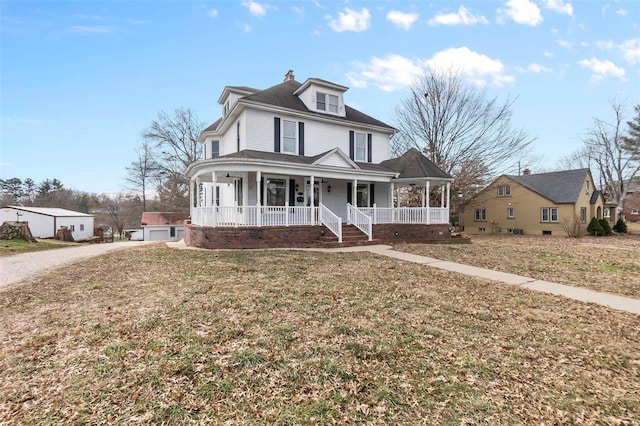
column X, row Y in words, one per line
column 154, row 335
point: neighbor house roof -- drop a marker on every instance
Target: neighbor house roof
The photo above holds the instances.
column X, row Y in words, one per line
column 163, row 218
column 282, row 95
column 559, row 187
column 51, row 211
column 412, row 164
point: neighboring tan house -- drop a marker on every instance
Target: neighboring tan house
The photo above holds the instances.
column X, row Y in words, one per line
column 536, row 204
column 290, row 164
column 44, row 222
column 161, row 226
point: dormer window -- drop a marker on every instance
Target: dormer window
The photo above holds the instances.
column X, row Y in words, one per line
column 326, row 102
column 226, row 108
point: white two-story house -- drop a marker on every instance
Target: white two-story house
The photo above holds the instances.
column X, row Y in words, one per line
column 293, row 165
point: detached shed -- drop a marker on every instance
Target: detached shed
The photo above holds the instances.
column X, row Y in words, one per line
column 45, row 221
column 160, row 226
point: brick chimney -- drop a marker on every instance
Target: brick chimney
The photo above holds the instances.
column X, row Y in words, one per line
column 289, row 76
column 526, row 172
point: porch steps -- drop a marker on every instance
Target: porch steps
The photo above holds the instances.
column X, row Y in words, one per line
column 351, row 236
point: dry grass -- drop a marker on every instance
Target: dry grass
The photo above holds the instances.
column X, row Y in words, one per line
column 153, row 335
column 609, row 264
column 9, row 247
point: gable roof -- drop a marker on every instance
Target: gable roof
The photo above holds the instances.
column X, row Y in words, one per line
column 51, row 211
column 282, row 95
column 163, row 218
column 412, row 164
column 560, row 187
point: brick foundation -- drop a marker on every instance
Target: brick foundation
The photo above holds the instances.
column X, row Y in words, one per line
column 304, row 236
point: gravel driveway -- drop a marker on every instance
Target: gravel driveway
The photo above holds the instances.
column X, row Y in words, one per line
column 18, row 267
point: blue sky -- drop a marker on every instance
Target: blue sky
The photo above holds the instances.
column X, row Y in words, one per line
column 81, row 80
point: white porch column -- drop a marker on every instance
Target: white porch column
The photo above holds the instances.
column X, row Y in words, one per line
column 354, row 193
column 448, row 193
column 441, row 195
column 391, row 190
column 258, row 199
column 198, row 194
column 214, row 185
column 310, row 196
column 424, row 195
column 428, row 202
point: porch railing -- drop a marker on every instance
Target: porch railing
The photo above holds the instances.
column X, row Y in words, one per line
column 255, row 216
column 331, row 221
column 432, row 215
column 360, row 219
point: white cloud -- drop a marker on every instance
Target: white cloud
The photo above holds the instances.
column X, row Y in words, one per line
column 535, row 69
column 391, row 73
column 463, row 17
column 564, row 43
column 395, row 72
column 351, row 20
column 521, row 11
column 476, row 68
column 559, row 6
column 602, row 69
column 90, row 29
column 630, row 49
column 621, row 12
column 548, row 54
column 244, row 27
column 402, row 19
column 255, row 8
column 299, row 10
column 212, row 13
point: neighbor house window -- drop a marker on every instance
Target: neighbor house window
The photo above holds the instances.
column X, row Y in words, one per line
column 276, row 191
column 72, row 228
column 634, row 211
column 326, row 102
column 172, row 231
column 511, row 213
column 504, row 191
column 583, row 214
column 549, row 214
column 361, row 147
column 607, row 213
column 81, row 227
column 481, row 215
column 215, row 149
column 289, row 137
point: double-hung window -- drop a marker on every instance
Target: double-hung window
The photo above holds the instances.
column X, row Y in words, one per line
column 549, row 214
column 289, row 137
column 511, row 213
column 326, row 102
column 481, row 215
column 215, row 149
column 276, row 191
column 361, row 147
column 504, row 191
column 583, row 214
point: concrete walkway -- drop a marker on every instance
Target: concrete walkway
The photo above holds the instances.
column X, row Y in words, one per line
column 609, row 300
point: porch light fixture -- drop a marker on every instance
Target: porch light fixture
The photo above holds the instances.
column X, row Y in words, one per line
column 329, row 188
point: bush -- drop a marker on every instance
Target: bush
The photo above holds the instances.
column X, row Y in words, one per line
column 620, row 226
column 594, row 227
column 605, row 227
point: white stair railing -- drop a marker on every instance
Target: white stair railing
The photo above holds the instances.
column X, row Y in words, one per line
column 331, row 221
column 360, row 220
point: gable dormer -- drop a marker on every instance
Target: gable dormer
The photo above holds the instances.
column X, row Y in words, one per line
column 230, row 96
column 323, row 96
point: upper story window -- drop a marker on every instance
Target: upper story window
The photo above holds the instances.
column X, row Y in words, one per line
column 289, row 137
column 326, row 102
column 361, row 147
column 215, row 149
column 504, row 191
column 226, row 108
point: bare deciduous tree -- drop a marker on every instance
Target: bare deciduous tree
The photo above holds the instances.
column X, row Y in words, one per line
column 175, row 144
column 141, row 171
column 461, row 130
column 616, row 156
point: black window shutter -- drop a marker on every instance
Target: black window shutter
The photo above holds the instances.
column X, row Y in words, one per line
column 263, row 202
column 372, row 191
column 352, row 142
column 349, row 192
column 301, row 138
column 292, row 192
column 276, row 134
column 369, row 154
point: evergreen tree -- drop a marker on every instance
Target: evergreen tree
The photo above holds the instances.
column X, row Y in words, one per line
column 620, row 226
column 605, row 227
column 594, row 227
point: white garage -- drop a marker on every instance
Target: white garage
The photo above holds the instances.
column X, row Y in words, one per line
column 163, row 226
column 44, row 222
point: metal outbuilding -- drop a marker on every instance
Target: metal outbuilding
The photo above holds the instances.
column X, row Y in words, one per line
column 45, row 221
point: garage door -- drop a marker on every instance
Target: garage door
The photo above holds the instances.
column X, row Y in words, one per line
column 157, row 235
